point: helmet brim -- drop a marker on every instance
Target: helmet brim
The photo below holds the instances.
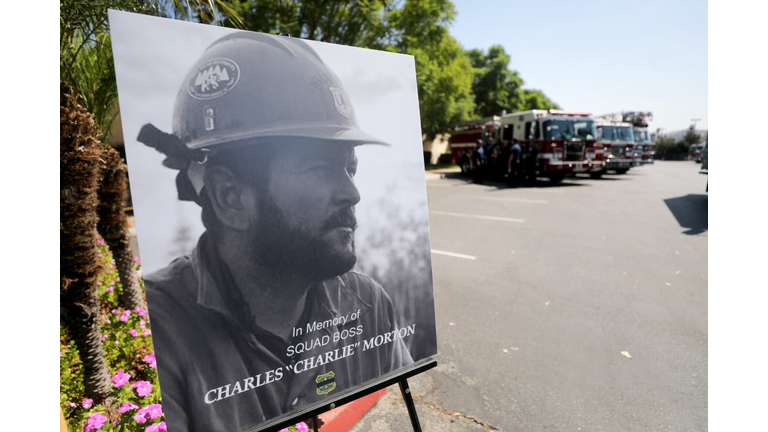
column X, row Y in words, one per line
column 321, row 133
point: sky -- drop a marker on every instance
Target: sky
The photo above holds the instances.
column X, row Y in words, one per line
column 601, row 56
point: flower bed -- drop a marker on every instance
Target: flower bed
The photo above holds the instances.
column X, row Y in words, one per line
column 135, row 402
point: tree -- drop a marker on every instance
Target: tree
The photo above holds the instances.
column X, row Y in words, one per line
column 345, row 22
column 495, row 86
column 89, row 104
column 418, row 28
column 535, row 99
column 443, row 71
column 112, row 225
column 668, row 148
column 80, row 151
column 691, row 138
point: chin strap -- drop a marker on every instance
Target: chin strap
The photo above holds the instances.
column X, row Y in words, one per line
column 190, row 163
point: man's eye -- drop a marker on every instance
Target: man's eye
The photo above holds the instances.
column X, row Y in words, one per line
column 352, row 169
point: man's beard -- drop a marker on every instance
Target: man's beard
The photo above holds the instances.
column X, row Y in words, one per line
column 277, row 246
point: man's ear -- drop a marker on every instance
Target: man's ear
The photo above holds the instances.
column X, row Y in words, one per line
column 232, row 200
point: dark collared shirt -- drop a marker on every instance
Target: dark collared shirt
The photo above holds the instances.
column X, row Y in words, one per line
column 219, row 371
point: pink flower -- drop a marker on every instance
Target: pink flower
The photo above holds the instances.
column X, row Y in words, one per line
column 284, row 430
column 143, row 388
column 72, row 404
column 155, row 410
column 114, row 311
column 302, row 427
column 150, row 358
column 133, row 332
column 137, row 259
column 140, row 312
column 148, row 412
column 127, row 406
column 112, row 283
column 117, row 342
column 156, row 427
column 127, row 312
column 120, row 378
column 87, row 403
column 142, row 324
column 108, row 321
column 140, row 417
column 124, row 318
column 96, row 420
column 147, row 332
column 101, row 241
column 109, row 289
column 103, row 338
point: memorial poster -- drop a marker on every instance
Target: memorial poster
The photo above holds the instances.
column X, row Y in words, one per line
column 280, row 202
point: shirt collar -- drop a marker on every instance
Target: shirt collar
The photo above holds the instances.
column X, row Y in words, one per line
column 324, row 299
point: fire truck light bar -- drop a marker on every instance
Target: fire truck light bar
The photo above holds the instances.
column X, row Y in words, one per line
column 556, row 111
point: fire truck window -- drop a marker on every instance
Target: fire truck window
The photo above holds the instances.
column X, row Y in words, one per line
column 584, row 130
column 507, row 134
column 531, row 131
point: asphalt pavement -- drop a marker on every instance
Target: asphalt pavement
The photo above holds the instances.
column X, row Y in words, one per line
column 573, row 307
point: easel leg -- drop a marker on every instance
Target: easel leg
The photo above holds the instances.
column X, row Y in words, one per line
column 406, row 391
column 315, row 423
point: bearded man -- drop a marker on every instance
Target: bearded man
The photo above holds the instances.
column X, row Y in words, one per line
column 266, row 315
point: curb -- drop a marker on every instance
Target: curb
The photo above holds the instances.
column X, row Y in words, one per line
column 345, row 416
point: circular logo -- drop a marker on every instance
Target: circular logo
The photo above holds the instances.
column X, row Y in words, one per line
column 213, row 79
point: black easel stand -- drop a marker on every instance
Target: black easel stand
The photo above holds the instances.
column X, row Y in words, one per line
column 409, row 404
column 400, row 377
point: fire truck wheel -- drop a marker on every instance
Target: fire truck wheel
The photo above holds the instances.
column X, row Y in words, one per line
column 622, row 171
column 465, row 165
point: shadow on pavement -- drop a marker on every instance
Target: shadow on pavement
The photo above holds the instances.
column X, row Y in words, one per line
column 499, row 185
column 690, row 212
column 604, row 177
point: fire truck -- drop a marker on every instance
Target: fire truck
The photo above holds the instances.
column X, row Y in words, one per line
column 618, row 142
column 464, row 138
column 643, row 146
column 566, row 140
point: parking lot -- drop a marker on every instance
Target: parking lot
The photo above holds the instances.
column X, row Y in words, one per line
column 576, row 306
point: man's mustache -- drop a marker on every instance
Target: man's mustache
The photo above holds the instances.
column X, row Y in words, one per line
column 343, row 218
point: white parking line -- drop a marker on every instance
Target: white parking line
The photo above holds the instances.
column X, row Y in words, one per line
column 478, row 216
column 455, row 255
column 532, row 201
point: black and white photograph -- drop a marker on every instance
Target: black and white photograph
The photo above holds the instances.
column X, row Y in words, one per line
column 281, row 211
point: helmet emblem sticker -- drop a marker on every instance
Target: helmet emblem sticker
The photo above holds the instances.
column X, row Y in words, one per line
column 341, row 103
column 214, row 78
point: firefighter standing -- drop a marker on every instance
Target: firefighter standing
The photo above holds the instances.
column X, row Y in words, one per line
column 532, row 154
column 513, row 164
column 480, row 161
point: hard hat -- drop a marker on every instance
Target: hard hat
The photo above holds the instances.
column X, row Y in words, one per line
column 250, row 85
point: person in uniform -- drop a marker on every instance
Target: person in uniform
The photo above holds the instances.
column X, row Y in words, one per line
column 480, row 161
column 531, row 158
column 513, row 164
column 266, row 315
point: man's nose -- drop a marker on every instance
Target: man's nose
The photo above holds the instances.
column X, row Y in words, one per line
column 346, row 193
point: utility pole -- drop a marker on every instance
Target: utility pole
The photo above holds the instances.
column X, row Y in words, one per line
column 694, row 123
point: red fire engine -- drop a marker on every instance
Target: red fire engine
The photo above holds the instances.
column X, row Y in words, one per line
column 618, row 143
column 566, row 140
column 464, row 138
column 643, row 146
